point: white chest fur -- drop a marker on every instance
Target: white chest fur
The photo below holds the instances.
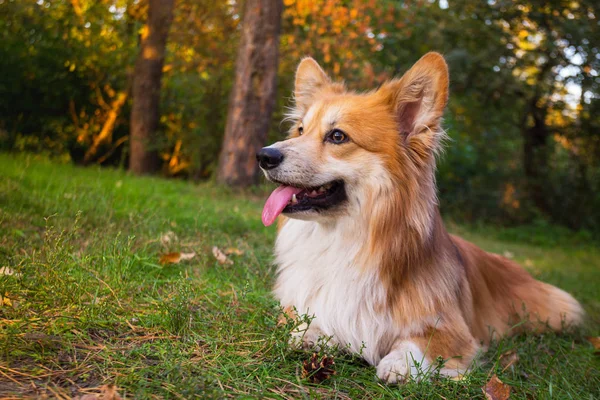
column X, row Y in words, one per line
column 319, row 275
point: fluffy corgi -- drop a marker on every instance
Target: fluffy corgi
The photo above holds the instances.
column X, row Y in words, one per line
column 361, row 246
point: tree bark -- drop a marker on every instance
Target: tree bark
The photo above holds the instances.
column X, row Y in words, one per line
column 535, row 152
column 253, row 94
column 147, row 76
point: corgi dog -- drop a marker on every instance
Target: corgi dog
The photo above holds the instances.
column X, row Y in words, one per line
column 361, row 247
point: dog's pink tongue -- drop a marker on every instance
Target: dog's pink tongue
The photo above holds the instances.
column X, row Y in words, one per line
column 277, row 202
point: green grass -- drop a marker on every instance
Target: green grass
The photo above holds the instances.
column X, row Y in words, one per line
column 91, row 305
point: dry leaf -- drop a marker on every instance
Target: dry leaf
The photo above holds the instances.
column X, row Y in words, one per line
column 528, row 263
column 110, row 392
column 175, row 257
column 233, row 250
column 495, row 389
column 508, row 358
column 5, row 300
column 458, row 378
column 595, row 341
column 288, row 314
column 220, row 256
column 8, row 272
column 167, row 238
column 508, row 254
column 107, row 392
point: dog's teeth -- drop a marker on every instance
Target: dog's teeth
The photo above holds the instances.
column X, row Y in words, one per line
column 321, row 189
column 313, row 193
column 294, row 199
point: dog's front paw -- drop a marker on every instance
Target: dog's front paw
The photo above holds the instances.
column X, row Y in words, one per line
column 305, row 337
column 401, row 363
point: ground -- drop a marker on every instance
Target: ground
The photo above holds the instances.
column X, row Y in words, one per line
column 86, row 302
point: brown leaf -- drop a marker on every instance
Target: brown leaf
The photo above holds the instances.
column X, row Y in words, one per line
column 107, row 392
column 495, row 389
column 175, row 257
column 168, row 237
column 233, row 250
column 595, row 341
column 508, row 358
column 220, row 256
column 110, row 392
column 288, row 314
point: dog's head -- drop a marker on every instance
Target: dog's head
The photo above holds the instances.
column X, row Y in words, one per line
column 345, row 149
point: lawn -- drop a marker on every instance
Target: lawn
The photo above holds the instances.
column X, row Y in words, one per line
column 86, row 301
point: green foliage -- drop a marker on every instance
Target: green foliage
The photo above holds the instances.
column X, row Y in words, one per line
column 60, row 71
column 92, row 306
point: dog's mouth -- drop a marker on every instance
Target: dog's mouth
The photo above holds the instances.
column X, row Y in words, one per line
column 290, row 199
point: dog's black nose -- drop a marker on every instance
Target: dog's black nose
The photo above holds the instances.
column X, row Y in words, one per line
column 269, row 157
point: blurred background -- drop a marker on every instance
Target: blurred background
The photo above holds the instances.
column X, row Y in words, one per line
column 192, row 88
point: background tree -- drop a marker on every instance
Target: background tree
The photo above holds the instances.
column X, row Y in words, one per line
column 253, row 94
column 144, row 157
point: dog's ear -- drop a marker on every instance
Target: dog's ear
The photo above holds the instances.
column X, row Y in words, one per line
column 310, row 78
column 420, row 96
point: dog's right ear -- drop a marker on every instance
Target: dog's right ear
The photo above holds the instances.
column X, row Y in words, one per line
column 420, row 96
column 310, row 78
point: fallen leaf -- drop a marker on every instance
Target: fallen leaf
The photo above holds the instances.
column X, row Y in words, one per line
column 287, row 314
column 110, row 392
column 175, row 257
column 595, row 341
column 508, row 358
column 5, row 300
column 7, row 271
column 233, row 250
column 495, row 389
column 458, row 378
column 107, row 392
column 220, row 256
column 167, row 238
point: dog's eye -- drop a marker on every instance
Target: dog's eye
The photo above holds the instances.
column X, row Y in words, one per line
column 336, row 137
column 300, row 130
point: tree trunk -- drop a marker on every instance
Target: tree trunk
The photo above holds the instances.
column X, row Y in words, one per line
column 147, row 75
column 535, row 153
column 253, row 94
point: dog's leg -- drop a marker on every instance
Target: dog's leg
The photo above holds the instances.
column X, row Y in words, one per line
column 413, row 357
column 403, row 361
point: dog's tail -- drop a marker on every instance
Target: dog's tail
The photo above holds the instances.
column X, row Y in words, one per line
column 555, row 307
column 504, row 292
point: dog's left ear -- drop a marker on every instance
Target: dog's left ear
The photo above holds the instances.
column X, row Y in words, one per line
column 420, row 96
